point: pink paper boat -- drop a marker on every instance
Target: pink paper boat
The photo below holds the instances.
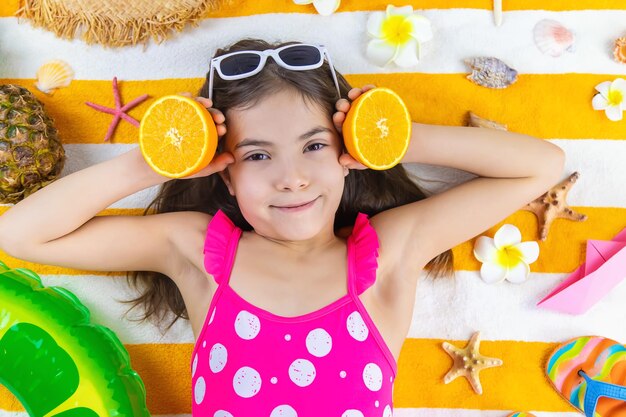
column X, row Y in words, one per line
column 605, row 268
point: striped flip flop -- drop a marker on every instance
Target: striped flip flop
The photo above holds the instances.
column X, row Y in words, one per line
column 521, row 414
column 590, row 372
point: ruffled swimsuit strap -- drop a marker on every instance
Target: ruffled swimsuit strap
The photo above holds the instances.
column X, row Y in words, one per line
column 220, row 246
column 362, row 255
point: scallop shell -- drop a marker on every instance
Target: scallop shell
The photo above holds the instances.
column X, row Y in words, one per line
column 491, row 72
column 52, row 75
column 477, row 121
column 552, row 38
column 619, row 53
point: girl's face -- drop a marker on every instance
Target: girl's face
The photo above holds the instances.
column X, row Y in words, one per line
column 286, row 154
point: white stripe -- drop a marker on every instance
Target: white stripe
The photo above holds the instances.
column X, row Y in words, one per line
column 600, row 162
column 461, row 412
column 458, row 34
column 103, row 296
column 450, row 309
column 453, row 309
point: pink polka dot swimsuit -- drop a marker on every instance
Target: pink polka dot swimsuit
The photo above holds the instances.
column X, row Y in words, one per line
column 332, row 362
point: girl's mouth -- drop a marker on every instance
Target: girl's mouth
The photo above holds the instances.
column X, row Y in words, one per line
column 297, row 207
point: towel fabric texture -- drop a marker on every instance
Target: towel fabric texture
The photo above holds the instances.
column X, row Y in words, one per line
column 550, row 100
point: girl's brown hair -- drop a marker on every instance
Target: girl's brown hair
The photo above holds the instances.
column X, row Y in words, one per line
column 366, row 191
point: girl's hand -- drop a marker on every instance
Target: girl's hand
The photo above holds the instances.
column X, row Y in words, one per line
column 220, row 161
column 343, row 106
column 218, row 117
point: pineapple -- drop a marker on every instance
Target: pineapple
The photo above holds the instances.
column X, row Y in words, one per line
column 31, row 154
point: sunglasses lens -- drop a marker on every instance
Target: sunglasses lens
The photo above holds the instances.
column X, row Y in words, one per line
column 300, row 55
column 240, row 64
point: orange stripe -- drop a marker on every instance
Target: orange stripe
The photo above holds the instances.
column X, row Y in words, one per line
column 247, row 8
column 287, row 6
column 564, row 249
column 8, row 7
column 602, row 224
column 422, row 365
column 561, row 107
column 519, row 384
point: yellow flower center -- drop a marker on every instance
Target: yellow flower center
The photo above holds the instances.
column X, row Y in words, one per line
column 396, row 30
column 615, row 97
column 509, row 257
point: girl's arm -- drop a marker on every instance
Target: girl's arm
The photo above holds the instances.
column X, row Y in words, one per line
column 57, row 225
column 513, row 170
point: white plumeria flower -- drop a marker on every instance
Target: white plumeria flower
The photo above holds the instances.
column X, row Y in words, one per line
column 505, row 256
column 398, row 33
column 610, row 98
column 323, row 7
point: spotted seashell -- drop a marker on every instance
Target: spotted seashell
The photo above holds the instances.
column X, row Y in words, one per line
column 552, row 38
column 52, row 75
column 491, row 72
column 619, row 52
column 477, row 121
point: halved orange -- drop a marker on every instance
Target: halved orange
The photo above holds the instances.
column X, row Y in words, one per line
column 377, row 129
column 177, row 136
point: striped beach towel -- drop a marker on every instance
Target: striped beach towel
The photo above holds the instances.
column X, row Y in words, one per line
column 551, row 100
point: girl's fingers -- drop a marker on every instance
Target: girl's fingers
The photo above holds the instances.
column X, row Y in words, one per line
column 368, row 87
column 354, row 93
column 206, row 102
column 348, row 161
column 219, row 163
column 218, row 116
column 342, row 105
column 338, row 119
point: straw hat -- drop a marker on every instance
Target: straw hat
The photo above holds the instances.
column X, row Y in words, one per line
column 115, row 22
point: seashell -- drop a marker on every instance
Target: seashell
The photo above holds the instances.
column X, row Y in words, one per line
column 491, row 72
column 476, row 121
column 52, row 75
column 552, row 38
column 497, row 12
column 619, row 53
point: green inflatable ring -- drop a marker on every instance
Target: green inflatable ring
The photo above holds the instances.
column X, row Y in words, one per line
column 55, row 361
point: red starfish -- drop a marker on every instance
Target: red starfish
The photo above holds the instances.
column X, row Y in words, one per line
column 118, row 111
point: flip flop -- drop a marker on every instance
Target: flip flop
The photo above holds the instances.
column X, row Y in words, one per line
column 521, row 414
column 590, row 372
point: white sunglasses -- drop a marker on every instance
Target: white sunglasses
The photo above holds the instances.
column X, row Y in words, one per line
column 243, row 64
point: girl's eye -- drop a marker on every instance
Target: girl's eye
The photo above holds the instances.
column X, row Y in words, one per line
column 255, row 157
column 316, row 146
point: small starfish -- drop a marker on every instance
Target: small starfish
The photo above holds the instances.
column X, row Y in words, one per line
column 119, row 111
column 468, row 362
column 552, row 205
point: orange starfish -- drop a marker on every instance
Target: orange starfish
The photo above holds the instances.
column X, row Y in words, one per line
column 468, row 362
column 552, row 205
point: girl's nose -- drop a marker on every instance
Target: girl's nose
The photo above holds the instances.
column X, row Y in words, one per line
column 292, row 177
